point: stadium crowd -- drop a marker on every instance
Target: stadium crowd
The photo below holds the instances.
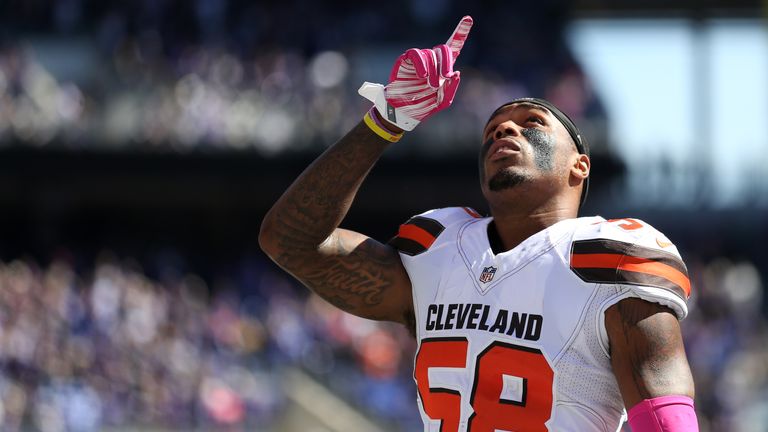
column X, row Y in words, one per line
column 114, row 343
column 228, row 75
column 111, row 346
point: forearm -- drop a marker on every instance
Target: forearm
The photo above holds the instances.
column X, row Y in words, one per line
column 316, row 203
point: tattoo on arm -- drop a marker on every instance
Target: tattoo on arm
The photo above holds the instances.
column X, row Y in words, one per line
column 320, row 198
column 352, row 278
column 351, row 271
column 647, row 352
column 651, row 352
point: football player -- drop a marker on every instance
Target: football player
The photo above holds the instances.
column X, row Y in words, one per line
column 533, row 319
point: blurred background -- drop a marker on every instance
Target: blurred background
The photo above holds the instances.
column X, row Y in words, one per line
column 141, row 143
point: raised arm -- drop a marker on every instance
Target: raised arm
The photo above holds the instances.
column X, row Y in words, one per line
column 301, row 232
column 350, row 270
column 650, row 366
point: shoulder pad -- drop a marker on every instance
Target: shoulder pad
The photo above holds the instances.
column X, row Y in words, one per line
column 627, row 230
column 629, row 252
column 418, row 233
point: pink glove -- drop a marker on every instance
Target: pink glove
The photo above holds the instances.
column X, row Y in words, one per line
column 422, row 82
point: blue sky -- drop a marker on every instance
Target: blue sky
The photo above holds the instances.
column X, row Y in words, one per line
column 660, row 104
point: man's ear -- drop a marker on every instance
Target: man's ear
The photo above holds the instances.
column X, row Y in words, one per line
column 580, row 168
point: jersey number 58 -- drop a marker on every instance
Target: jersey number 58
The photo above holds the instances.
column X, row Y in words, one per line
column 511, row 388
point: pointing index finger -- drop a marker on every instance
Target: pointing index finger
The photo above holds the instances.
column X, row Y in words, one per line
column 459, row 36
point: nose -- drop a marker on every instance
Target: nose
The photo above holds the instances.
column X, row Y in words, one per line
column 506, row 128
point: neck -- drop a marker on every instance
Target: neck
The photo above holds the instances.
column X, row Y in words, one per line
column 514, row 225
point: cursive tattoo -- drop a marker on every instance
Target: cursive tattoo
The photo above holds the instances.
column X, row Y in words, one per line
column 348, row 269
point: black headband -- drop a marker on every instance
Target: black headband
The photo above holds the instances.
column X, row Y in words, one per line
column 570, row 126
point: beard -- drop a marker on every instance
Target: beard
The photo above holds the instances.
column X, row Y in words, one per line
column 507, row 178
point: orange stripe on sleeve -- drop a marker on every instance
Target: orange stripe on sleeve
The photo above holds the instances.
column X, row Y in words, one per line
column 420, row 236
column 655, row 268
column 596, row 260
column 633, row 264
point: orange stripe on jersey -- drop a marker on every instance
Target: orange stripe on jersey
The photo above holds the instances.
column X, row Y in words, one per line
column 416, row 235
column 419, row 235
column 595, row 260
column 641, row 265
column 633, row 264
column 472, row 212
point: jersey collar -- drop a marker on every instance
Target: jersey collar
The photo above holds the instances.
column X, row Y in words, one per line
column 479, row 259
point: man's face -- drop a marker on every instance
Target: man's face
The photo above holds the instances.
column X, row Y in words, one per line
column 523, row 144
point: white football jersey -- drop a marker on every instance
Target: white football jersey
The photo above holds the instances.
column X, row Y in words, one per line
column 517, row 341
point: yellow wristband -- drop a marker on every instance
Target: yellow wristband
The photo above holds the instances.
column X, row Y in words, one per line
column 380, row 131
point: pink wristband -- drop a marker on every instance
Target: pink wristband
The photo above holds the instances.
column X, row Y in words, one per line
column 664, row 414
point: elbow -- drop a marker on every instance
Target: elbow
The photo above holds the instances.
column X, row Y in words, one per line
column 281, row 243
column 267, row 238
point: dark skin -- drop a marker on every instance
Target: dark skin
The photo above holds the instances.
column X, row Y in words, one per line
column 647, row 351
column 350, row 270
column 549, row 196
column 366, row 278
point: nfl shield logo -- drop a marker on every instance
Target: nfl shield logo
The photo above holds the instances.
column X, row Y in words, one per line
column 487, row 274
